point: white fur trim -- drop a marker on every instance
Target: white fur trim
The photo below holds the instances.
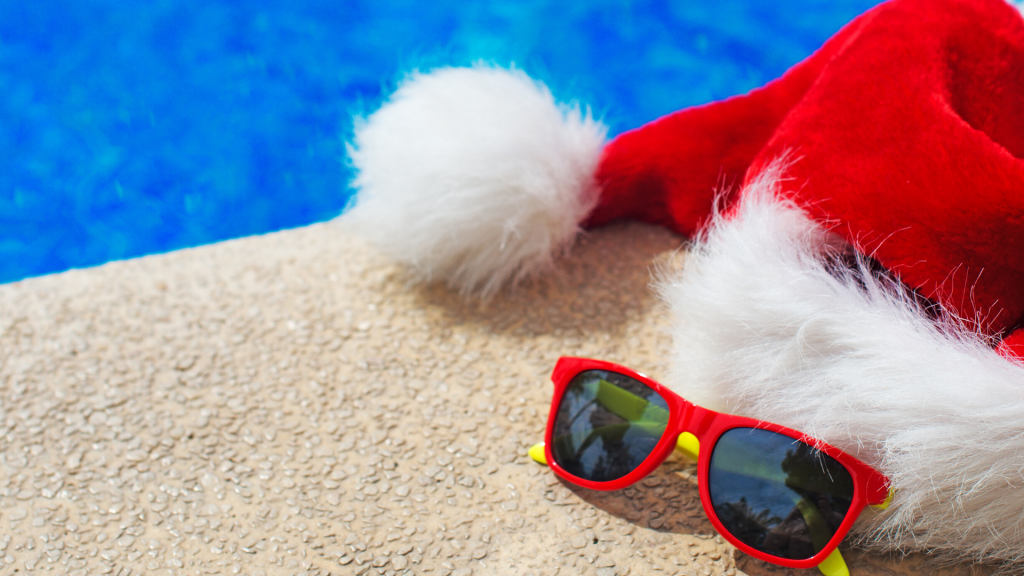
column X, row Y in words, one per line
column 474, row 175
column 762, row 328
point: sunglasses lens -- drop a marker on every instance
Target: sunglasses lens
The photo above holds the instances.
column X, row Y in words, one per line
column 606, row 425
column 777, row 494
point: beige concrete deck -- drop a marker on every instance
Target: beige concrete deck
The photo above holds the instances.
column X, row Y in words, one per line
column 290, row 404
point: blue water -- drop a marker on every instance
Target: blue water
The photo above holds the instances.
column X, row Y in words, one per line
column 129, row 128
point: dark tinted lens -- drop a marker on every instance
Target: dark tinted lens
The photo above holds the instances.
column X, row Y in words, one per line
column 607, row 424
column 776, row 494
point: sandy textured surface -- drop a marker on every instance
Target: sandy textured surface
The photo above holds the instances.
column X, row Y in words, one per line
column 289, row 404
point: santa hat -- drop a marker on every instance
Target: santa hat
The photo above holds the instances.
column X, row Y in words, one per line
column 857, row 269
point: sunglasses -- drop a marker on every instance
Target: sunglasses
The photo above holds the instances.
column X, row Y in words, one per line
column 774, row 493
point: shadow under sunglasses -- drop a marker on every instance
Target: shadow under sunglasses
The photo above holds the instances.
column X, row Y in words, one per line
column 668, row 501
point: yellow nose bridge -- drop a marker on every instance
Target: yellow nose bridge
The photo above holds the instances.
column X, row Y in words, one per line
column 689, row 445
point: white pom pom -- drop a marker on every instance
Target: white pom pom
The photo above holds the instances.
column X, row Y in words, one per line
column 474, row 175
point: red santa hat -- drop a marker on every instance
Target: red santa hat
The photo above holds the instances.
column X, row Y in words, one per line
column 863, row 280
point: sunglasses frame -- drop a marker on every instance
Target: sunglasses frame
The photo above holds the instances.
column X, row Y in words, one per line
column 870, row 486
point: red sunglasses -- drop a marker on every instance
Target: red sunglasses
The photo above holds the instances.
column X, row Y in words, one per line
column 773, row 492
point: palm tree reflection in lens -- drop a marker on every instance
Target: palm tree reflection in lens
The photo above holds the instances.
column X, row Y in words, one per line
column 606, row 425
column 777, row 494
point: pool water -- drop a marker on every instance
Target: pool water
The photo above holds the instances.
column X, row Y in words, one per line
column 131, row 128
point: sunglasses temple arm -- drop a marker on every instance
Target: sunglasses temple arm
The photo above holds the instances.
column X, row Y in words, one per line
column 834, row 565
column 537, row 453
column 885, row 503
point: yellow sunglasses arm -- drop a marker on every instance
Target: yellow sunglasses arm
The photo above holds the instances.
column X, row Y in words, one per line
column 888, row 500
column 834, row 565
column 537, row 453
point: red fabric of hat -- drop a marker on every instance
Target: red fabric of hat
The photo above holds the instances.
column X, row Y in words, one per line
column 906, row 131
